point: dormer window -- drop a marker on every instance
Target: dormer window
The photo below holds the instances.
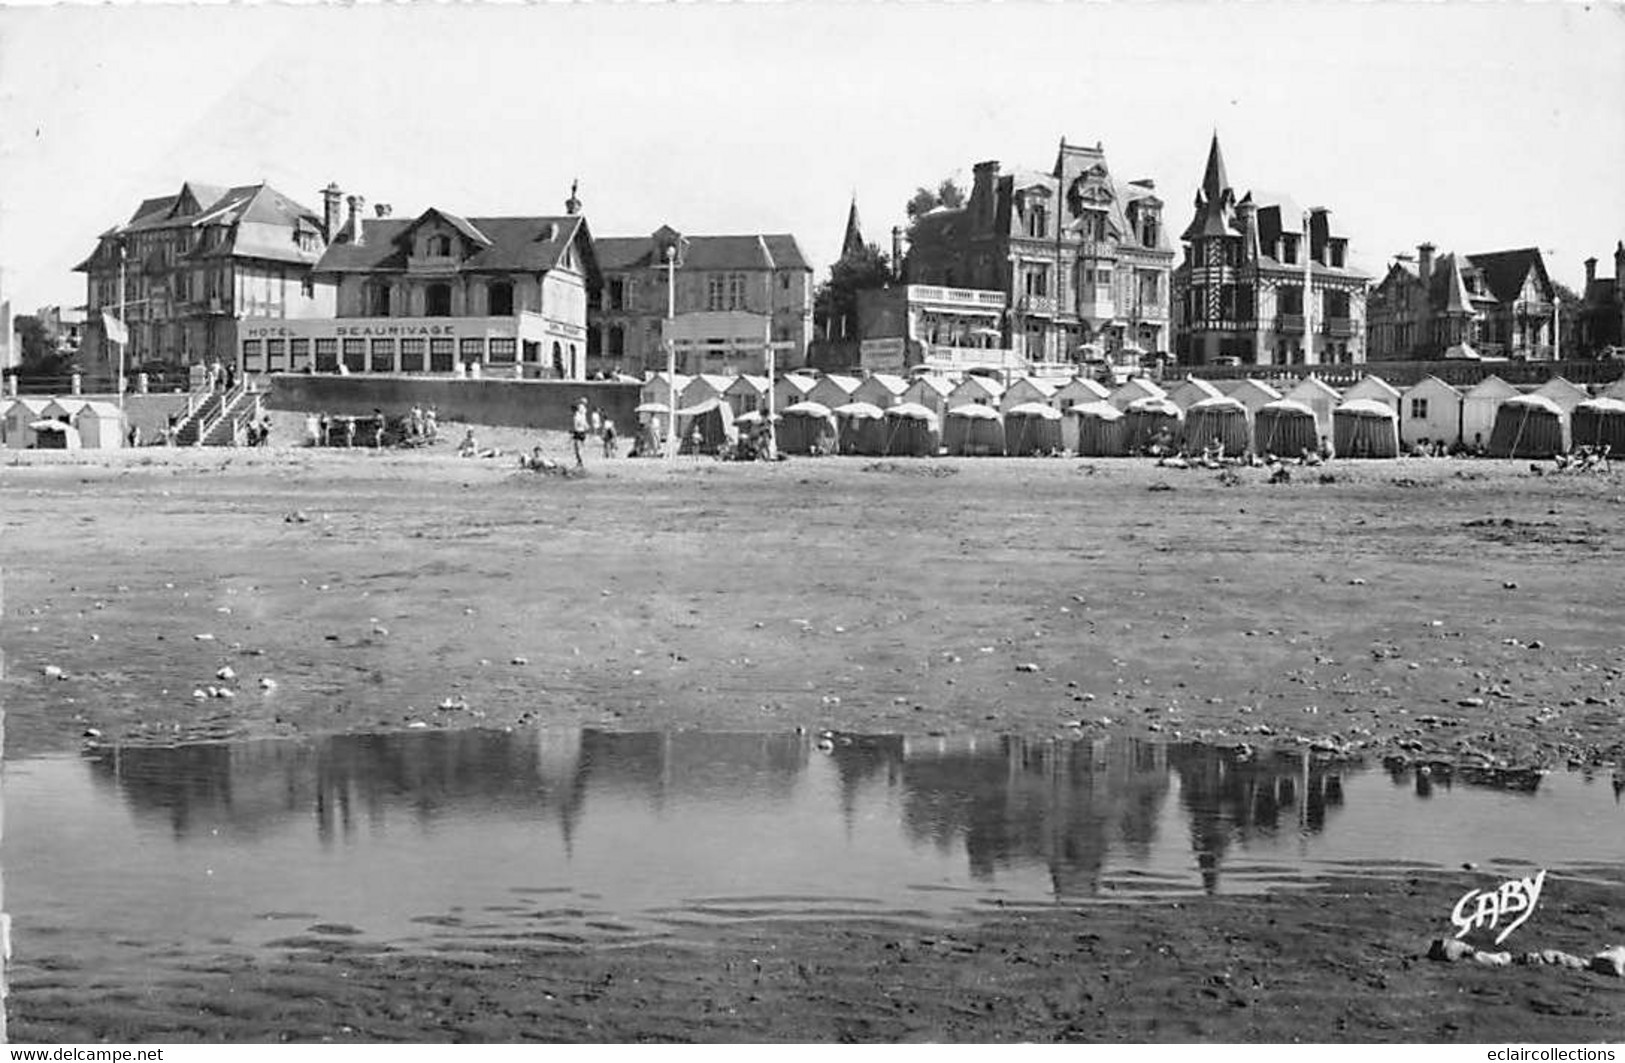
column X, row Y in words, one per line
column 440, row 246
column 1289, row 249
column 1037, row 221
column 1150, row 229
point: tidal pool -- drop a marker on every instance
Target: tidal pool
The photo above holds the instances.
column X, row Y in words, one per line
column 127, row 860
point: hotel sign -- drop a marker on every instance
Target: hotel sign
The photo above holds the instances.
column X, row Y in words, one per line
column 375, row 328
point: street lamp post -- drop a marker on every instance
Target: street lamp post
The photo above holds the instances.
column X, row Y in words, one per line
column 121, row 260
column 671, row 352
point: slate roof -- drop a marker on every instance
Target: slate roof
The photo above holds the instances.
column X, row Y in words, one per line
column 507, row 245
column 1504, row 271
column 757, row 251
column 256, row 210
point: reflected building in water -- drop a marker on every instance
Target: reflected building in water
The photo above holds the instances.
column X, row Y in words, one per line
column 1077, row 809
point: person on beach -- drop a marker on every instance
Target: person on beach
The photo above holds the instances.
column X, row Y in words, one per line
column 609, row 438
column 579, row 426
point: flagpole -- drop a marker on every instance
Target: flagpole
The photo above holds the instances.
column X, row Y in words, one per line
column 1308, row 297
column 126, row 340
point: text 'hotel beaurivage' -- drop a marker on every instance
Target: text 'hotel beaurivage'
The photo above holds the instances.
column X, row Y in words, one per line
column 1034, row 271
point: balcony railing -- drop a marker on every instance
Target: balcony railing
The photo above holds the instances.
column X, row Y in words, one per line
column 1288, row 322
column 933, row 293
column 1037, row 304
column 1339, row 326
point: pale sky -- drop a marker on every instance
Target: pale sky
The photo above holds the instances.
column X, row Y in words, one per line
column 1477, row 126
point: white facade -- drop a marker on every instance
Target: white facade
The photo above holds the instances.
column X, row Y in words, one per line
column 1431, row 410
column 1480, row 405
column 1375, row 389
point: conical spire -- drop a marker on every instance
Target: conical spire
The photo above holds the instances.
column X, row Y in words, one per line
column 1456, row 299
column 1214, row 179
column 852, row 242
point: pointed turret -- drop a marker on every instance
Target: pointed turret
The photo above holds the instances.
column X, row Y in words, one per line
column 1215, row 201
column 1456, row 299
column 852, row 242
column 1214, row 179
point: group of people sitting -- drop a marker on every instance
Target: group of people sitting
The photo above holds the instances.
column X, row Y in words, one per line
column 1213, row 456
column 1585, row 459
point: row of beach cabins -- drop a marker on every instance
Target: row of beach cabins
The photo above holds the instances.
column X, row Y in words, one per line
column 64, row 423
column 881, row 414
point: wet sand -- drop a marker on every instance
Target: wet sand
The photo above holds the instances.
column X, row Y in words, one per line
column 1460, row 613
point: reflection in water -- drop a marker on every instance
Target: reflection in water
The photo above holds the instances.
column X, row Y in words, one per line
column 1074, row 809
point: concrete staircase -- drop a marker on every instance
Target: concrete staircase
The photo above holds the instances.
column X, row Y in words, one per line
column 215, row 420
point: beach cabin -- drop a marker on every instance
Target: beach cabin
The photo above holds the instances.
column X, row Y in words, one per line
column 793, row 388
column 1430, row 409
column 5, row 409
column 1599, row 422
column 1365, row 428
column 833, row 390
column 1285, row 428
column 1479, row 406
column 63, row 408
column 1147, row 420
column 975, row 391
column 1078, row 391
column 1095, row 430
column 1564, row 393
column 1027, row 390
column 1192, row 390
column 706, row 427
column 51, row 434
column 880, row 389
column 1319, row 396
column 912, row 431
column 703, row 389
column 657, row 390
column 1032, row 428
column 1253, row 394
column 807, row 428
column 860, row 428
column 24, row 412
column 1374, row 389
column 747, row 394
column 100, row 425
column 1529, row 426
column 975, row 430
column 931, row 392
column 1133, row 389
column 1225, row 419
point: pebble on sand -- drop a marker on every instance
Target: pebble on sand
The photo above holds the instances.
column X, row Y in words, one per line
column 1610, row 961
column 1449, row 950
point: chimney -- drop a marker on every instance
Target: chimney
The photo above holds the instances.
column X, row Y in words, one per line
column 985, row 176
column 1320, row 234
column 358, row 204
column 573, row 204
column 896, row 250
column 1247, row 215
column 1591, row 271
column 1619, row 263
column 1146, row 182
column 1424, row 261
column 383, row 210
column 332, row 196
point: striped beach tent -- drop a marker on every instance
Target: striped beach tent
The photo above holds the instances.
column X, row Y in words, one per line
column 973, row 429
column 1599, row 422
column 807, row 428
column 1096, row 430
column 1226, row 419
column 1032, row 428
column 912, row 431
column 1146, row 419
column 1365, row 428
column 1285, row 428
column 1529, row 426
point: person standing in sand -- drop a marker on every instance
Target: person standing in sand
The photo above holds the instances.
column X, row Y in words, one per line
column 578, row 431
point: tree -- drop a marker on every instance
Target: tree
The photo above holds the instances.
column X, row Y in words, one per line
column 39, row 357
column 836, row 300
column 1570, row 309
column 948, row 194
